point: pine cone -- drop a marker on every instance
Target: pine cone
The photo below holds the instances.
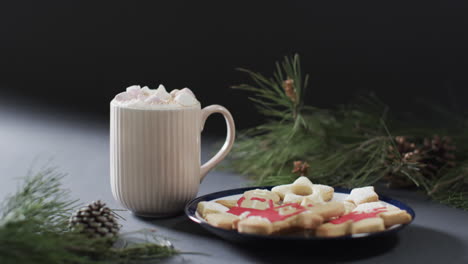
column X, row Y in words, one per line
column 288, row 86
column 95, row 220
column 434, row 154
column 408, row 153
column 439, row 153
column 403, row 146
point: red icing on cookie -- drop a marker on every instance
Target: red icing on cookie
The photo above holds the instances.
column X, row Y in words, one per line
column 358, row 216
column 239, row 202
column 258, row 199
column 271, row 213
column 270, row 203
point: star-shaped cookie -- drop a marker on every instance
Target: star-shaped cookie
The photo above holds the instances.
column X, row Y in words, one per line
column 303, row 191
column 362, row 195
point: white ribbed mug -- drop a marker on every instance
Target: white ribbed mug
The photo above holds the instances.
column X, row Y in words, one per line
column 155, row 156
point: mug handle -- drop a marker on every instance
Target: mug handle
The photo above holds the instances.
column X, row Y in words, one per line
column 231, row 134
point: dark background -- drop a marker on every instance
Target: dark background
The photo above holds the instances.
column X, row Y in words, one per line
column 74, row 56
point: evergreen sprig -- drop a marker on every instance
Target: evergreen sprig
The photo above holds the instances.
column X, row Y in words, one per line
column 34, row 229
column 348, row 146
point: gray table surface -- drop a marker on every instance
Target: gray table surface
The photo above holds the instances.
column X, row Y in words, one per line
column 80, row 147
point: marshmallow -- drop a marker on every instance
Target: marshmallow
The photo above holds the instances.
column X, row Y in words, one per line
column 162, row 93
column 174, row 92
column 123, row 96
column 144, row 97
column 185, row 98
column 154, row 99
column 134, row 89
column 145, row 91
column 187, row 90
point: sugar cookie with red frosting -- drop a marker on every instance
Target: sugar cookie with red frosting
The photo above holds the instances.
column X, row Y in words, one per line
column 258, row 199
column 395, row 217
column 371, row 220
column 266, row 225
column 366, row 207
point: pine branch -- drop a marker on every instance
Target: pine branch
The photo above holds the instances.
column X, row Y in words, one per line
column 350, row 146
column 33, row 229
column 270, row 94
column 40, row 200
column 454, row 199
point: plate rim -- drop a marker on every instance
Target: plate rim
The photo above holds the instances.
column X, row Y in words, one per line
column 192, row 206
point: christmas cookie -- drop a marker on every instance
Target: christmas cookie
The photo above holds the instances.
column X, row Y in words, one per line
column 227, row 203
column 293, row 198
column 259, row 193
column 392, row 215
column 368, row 225
column 308, row 220
column 349, row 206
column 367, row 207
column 334, row 230
column 255, row 225
column 258, row 199
column 221, row 220
column 395, row 217
column 321, row 195
column 370, row 220
column 302, row 186
column 205, row 208
column 328, row 210
column 303, row 191
column 296, row 216
column 362, row 195
column 323, row 192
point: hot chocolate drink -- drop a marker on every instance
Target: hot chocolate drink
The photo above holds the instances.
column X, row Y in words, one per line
column 155, row 148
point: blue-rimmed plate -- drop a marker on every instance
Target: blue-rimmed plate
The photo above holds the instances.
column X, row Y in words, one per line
column 233, row 235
